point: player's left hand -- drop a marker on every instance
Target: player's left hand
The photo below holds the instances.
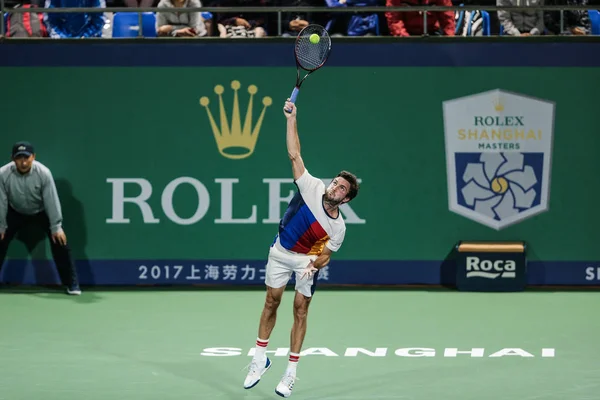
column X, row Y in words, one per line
column 309, row 271
column 59, row 237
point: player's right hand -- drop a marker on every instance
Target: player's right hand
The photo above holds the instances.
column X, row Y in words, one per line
column 1, row 236
column 309, row 271
column 289, row 106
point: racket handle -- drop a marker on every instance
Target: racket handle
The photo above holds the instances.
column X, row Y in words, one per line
column 293, row 97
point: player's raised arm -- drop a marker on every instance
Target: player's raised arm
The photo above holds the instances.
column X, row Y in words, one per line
column 292, row 140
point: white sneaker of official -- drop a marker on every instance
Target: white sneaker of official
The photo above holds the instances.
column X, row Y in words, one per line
column 256, row 370
column 284, row 389
column 74, row 290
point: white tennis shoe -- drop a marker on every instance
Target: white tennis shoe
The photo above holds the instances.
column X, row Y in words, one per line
column 284, row 389
column 255, row 372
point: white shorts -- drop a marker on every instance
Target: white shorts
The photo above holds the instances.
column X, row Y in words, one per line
column 282, row 264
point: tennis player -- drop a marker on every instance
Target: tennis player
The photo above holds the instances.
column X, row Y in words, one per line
column 311, row 229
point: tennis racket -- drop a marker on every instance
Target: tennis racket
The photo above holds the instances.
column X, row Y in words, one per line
column 310, row 56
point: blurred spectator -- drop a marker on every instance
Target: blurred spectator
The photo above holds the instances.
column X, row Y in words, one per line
column 483, row 6
column 10, row 3
column 173, row 23
column 357, row 23
column 30, row 24
column 521, row 23
column 409, row 23
column 293, row 22
column 244, row 25
column 75, row 25
column 14, row 3
column 139, row 3
column 575, row 22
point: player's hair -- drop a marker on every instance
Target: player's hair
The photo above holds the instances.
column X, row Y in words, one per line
column 354, row 186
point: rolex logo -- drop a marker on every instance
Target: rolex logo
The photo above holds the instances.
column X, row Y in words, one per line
column 498, row 104
column 233, row 140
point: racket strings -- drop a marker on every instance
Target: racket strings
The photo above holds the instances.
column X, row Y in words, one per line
column 312, row 55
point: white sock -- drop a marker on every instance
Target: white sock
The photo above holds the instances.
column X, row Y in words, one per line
column 261, row 349
column 293, row 363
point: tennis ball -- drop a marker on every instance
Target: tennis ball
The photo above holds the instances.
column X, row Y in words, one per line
column 314, row 38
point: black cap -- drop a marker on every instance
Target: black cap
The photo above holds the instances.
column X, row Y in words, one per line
column 22, row 149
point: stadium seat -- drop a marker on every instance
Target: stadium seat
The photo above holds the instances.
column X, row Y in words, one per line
column 595, row 21
column 126, row 24
column 487, row 30
column 459, row 16
column 358, row 18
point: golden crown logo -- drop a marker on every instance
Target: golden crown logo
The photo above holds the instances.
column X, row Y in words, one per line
column 234, row 141
column 498, row 105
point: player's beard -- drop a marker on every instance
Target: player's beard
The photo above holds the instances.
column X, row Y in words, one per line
column 332, row 202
